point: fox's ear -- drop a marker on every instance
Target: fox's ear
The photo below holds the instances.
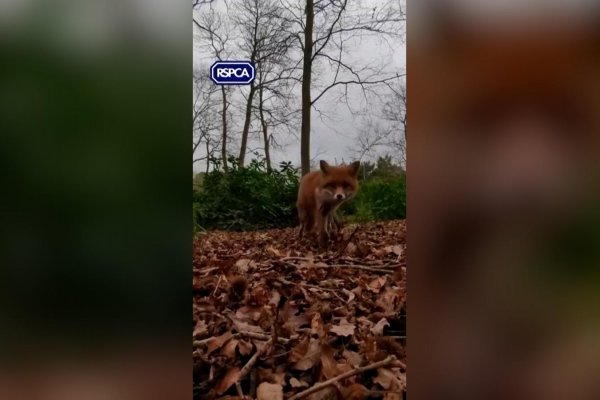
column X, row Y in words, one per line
column 354, row 167
column 324, row 166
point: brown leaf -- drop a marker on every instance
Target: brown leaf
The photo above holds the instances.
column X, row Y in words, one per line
column 351, row 249
column 296, row 383
column 200, row 329
column 390, row 380
column 268, row 375
column 392, row 396
column 363, row 249
column 379, row 327
column 351, row 295
column 316, row 325
column 248, row 313
column 299, row 350
column 371, row 351
column 273, row 251
column 242, row 326
column 384, row 378
column 389, row 301
column 229, row 349
column 275, row 297
column 344, row 328
column 306, row 354
column 343, row 368
column 355, row 391
column 377, row 283
column 397, row 250
column 244, row 264
column 291, row 321
column 245, row 347
column 231, row 377
column 328, row 364
column 364, row 323
column 218, row 341
column 353, row 358
column 328, row 393
column 269, row 391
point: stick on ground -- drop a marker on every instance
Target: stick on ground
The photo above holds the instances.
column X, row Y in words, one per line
column 391, row 360
column 259, row 351
column 363, row 267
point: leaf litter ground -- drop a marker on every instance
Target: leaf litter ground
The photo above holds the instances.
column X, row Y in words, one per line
column 276, row 318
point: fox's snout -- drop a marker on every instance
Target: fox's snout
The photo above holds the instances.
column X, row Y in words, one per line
column 337, row 194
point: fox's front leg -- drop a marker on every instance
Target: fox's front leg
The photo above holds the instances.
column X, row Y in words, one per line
column 335, row 225
column 323, row 229
column 306, row 222
column 302, row 219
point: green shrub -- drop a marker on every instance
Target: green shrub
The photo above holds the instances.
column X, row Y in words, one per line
column 247, row 198
column 379, row 199
column 251, row 197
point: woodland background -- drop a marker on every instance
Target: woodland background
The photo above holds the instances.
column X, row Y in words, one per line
column 276, row 317
column 329, row 85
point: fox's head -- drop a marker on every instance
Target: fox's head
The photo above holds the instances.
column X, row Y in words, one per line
column 339, row 183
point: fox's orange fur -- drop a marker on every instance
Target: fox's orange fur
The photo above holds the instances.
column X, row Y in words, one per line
column 321, row 193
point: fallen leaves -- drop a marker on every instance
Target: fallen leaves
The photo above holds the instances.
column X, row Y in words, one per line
column 306, row 354
column 230, row 378
column 269, row 391
column 218, row 342
column 379, row 327
column 344, row 328
column 275, row 318
column 392, row 381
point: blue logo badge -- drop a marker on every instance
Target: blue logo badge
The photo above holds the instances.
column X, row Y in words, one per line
column 232, row 72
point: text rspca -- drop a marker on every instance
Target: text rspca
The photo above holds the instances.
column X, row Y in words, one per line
column 232, row 72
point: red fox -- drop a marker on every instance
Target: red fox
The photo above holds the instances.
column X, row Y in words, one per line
column 321, row 193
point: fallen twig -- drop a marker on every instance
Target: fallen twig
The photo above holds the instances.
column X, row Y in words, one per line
column 363, row 267
column 240, row 392
column 307, row 285
column 389, row 361
column 296, row 258
column 218, row 283
column 259, row 351
column 251, row 335
column 262, row 336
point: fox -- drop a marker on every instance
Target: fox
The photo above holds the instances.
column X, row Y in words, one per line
column 320, row 194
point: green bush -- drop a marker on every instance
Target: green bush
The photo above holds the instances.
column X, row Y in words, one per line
column 379, row 199
column 251, row 197
column 245, row 198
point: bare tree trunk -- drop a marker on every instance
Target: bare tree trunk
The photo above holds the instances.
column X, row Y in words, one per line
column 264, row 128
column 207, row 157
column 247, row 119
column 306, row 78
column 224, row 141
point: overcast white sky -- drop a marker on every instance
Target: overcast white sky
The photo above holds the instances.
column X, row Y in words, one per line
column 331, row 140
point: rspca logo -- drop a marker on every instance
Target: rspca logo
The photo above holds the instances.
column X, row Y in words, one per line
column 232, row 72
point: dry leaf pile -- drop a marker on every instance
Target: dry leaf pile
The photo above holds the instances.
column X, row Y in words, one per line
column 275, row 318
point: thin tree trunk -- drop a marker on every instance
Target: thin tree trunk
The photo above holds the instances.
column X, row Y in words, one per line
column 306, row 78
column 224, row 141
column 264, row 128
column 207, row 157
column 247, row 119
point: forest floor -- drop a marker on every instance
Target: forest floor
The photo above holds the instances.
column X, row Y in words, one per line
column 275, row 318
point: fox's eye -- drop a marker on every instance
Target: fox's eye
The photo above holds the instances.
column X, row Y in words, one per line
column 329, row 186
column 347, row 187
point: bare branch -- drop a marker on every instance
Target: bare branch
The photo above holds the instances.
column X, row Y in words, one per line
column 353, row 82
